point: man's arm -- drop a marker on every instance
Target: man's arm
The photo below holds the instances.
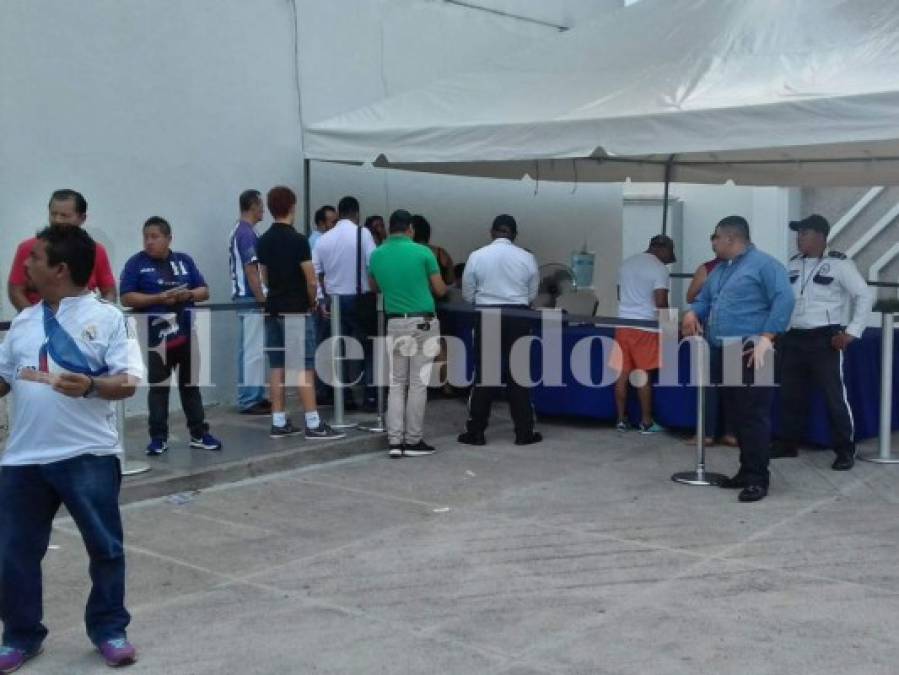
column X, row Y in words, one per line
column 308, row 270
column 696, row 283
column 861, row 296
column 373, row 284
column 254, row 280
column 109, row 388
column 780, row 297
column 136, row 300
column 469, row 280
column 660, row 297
column 438, row 287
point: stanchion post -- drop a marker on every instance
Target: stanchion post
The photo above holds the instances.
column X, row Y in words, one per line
column 885, row 454
column 699, row 476
column 378, row 426
column 338, row 422
column 129, row 467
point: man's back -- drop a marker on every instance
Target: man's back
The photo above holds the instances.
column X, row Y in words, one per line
column 282, row 250
column 335, row 257
column 403, row 269
column 638, row 278
column 500, row 273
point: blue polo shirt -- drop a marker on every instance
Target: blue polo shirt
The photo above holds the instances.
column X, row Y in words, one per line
column 143, row 274
column 745, row 297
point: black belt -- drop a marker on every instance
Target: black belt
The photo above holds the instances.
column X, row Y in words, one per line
column 412, row 315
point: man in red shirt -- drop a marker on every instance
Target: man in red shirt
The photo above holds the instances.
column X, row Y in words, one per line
column 67, row 208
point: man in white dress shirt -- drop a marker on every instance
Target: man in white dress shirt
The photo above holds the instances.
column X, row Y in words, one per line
column 341, row 256
column 65, row 360
column 501, row 276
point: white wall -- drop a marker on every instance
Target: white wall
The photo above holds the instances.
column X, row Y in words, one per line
column 172, row 108
column 147, row 107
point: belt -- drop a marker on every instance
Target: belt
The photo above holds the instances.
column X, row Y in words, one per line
column 412, row 315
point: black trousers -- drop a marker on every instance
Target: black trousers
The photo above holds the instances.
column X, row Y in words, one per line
column 482, row 395
column 158, row 375
column 748, row 407
column 807, row 358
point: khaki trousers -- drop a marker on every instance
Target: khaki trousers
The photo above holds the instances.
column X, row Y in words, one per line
column 412, row 345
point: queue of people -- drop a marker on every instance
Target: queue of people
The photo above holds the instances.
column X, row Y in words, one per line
column 69, row 354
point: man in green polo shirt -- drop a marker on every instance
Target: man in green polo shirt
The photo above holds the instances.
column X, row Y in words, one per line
column 408, row 275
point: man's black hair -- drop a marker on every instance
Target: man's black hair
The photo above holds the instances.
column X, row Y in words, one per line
column 400, row 221
column 248, row 199
column 74, row 195
column 348, row 207
column 735, row 225
column 320, row 213
column 422, row 229
column 72, row 246
column 161, row 223
column 505, row 224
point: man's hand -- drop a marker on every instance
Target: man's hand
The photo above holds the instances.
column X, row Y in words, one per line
column 759, row 352
column 841, row 340
column 74, row 385
column 184, row 296
column 690, row 324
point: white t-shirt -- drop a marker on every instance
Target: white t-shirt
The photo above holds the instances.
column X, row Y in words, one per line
column 47, row 426
column 334, row 256
column 638, row 279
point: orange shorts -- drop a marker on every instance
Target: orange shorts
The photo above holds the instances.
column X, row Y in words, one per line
column 639, row 350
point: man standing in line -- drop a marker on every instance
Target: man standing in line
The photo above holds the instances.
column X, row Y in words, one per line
column 68, row 208
column 500, row 276
column 248, row 292
column 325, row 217
column 746, row 299
column 832, row 306
column 407, row 273
column 290, row 278
column 65, row 360
column 341, row 259
column 642, row 292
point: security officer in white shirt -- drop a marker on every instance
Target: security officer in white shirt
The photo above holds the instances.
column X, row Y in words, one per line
column 832, row 306
column 501, row 276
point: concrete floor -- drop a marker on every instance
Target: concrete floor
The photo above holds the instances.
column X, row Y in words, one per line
column 578, row 555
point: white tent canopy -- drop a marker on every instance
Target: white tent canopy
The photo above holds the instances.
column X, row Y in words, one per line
column 761, row 92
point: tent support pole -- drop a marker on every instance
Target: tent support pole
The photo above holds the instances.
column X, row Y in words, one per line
column 307, row 196
column 668, row 166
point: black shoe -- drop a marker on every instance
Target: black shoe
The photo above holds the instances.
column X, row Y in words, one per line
column 535, row 437
column 780, row 449
column 396, row 450
column 258, row 408
column 323, row 432
column 285, row 431
column 419, row 449
column 472, row 438
column 735, row 483
column 753, row 493
column 844, row 461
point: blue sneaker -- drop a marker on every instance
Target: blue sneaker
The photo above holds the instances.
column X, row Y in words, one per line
column 206, row 442
column 651, row 428
column 11, row 659
column 622, row 426
column 157, row 447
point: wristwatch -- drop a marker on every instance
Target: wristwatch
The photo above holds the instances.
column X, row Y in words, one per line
column 91, row 388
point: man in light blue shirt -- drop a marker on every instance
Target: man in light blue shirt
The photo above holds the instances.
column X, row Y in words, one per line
column 746, row 297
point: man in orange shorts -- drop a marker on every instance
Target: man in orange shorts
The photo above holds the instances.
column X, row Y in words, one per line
column 642, row 291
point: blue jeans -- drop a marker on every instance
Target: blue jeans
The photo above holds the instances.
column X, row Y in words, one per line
column 30, row 496
column 250, row 358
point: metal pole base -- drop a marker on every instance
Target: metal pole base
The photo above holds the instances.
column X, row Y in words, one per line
column 879, row 459
column 375, row 426
column 696, row 478
column 130, row 468
column 343, row 425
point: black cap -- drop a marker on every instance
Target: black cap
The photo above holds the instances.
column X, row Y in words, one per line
column 663, row 241
column 813, row 222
